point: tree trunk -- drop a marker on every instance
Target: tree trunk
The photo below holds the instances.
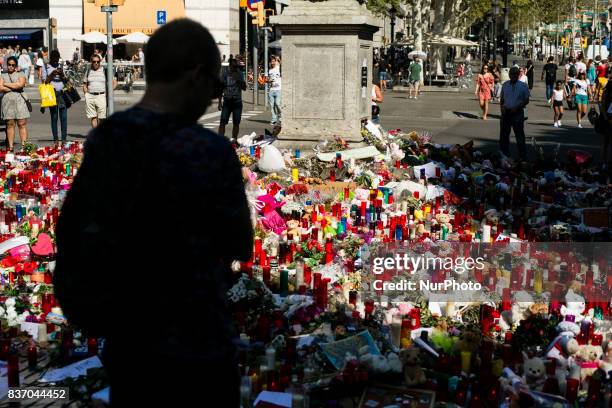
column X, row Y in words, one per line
column 438, row 24
column 417, row 24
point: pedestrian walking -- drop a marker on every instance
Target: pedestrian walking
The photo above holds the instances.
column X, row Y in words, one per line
column 274, row 93
column 484, row 85
column 591, row 74
column 523, row 77
column 383, row 67
column 581, row 93
column 414, row 77
column 549, row 75
column 94, row 86
column 557, row 104
column 529, row 73
column 14, row 107
column 514, row 99
column 158, row 146
column 377, row 98
column 580, row 65
column 25, row 63
column 231, row 102
column 497, row 80
column 53, row 74
column 39, row 65
column 76, row 56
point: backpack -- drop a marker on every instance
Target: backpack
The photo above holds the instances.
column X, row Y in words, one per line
column 551, row 73
column 572, row 70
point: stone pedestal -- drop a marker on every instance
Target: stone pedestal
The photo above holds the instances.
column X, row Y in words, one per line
column 326, row 70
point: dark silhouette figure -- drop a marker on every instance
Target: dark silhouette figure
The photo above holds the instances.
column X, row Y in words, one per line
column 147, row 234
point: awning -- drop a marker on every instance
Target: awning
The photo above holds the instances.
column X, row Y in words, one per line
column 20, row 34
column 450, row 41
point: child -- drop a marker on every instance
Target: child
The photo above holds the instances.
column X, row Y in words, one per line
column 559, row 96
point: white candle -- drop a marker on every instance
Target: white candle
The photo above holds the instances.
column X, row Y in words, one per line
column 299, row 273
column 486, row 234
column 271, row 358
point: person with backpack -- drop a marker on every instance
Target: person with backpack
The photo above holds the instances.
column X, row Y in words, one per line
column 549, row 74
column 231, row 103
column 94, row 86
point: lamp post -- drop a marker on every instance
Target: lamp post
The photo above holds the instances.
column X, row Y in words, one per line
column 109, row 7
column 495, row 14
column 506, row 33
column 392, row 14
column 489, row 29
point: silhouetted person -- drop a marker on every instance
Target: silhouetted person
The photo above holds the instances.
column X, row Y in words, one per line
column 514, row 99
column 148, row 230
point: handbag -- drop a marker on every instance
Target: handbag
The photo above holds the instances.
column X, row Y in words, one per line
column 71, row 93
column 66, row 98
column 47, row 96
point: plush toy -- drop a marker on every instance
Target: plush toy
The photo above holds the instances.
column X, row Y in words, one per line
column 379, row 363
column 534, row 371
column 575, row 305
column 588, row 357
column 522, row 302
column 413, row 373
column 469, row 340
column 606, row 362
column 444, row 220
column 293, row 228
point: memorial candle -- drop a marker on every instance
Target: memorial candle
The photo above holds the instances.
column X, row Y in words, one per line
column 299, row 273
column 13, row 369
column 32, row 356
column 284, row 282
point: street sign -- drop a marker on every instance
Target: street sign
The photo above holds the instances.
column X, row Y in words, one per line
column 161, row 17
column 109, row 9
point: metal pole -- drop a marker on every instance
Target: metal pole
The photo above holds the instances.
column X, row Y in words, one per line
column 557, row 35
column 109, row 62
column 506, row 24
column 267, row 86
column 255, row 67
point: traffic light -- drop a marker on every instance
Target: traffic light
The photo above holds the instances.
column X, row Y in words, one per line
column 584, row 42
column 259, row 15
column 243, row 3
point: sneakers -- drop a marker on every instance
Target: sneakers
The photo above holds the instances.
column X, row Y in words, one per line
column 579, row 126
column 556, row 124
column 559, row 123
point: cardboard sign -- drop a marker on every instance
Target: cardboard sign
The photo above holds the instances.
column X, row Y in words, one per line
column 596, row 217
column 333, row 186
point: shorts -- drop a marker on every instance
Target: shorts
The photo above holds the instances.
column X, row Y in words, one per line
column 558, row 103
column 581, row 99
column 233, row 107
column 382, row 76
column 414, row 82
column 95, row 106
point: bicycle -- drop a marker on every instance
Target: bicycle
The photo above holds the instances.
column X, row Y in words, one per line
column 75, row 73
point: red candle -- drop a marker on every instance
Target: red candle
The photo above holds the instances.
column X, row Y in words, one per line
column 317, row 280
column 332, row 175
column 13, row 369
column 266, row 274
column 571, row 389
column 32, row 356
column 92, row 346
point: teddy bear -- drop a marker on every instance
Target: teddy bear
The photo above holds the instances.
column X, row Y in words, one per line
column 606, row 362
column 588, row 357
column 413, row 373
column 443, row 219
column 534, row 371
column 293, row 229
column 575, row 305
column 469, row 341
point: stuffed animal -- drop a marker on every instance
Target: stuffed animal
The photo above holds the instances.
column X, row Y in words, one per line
column 469, row 341
column 575, row 305
column 534, row 371
column 606, row 362
column 522, row 302
column 588, row 357
column 444, row 220
column 293, row 229
column 413, row 373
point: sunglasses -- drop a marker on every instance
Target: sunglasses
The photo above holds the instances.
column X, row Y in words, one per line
column 95, row 62
column 11, row 65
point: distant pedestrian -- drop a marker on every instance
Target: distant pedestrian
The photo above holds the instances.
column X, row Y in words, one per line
column 570, row 71
column 591, row 74
column 53, row 74
column 39, row 65
column 580, row 65
column 14, row 108
column 529, row 74
column 383, row 67
column 94, row 86
column 514, row 99
column 581, row 93
column 550, row 72
column 274, row 94
column 377, row 98
column 414, row 78
column 25, row 64
column 557, row 102
column 484, row 85
column 76, row 56
column 523, row 77
column 231, row 101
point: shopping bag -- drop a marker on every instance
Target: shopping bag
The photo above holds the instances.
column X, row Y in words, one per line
column 71, row 92
column 47, row 96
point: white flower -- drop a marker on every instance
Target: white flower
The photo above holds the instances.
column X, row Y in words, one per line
column 10, row 302
column 2, row 311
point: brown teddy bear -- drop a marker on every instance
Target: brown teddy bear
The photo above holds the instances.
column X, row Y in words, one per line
column 588, row 357
column 469, row 341
column 413, row 374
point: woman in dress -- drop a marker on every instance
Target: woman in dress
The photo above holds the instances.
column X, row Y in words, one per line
column 14, row 108
column 591, row 74
column 484, row 86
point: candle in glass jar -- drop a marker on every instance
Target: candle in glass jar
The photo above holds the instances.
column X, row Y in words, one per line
column 284, row 282
column 295, row 174
column 271, row 357
column 299, row 273
column 32, row 356
column 466, row 361
column 13, row 369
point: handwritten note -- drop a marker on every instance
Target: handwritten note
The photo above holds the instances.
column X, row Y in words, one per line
column 74, row 370
column 31, row 328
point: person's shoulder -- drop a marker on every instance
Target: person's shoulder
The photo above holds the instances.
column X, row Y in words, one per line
column 202, row 141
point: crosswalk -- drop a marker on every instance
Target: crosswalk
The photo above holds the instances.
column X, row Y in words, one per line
column 211, row 121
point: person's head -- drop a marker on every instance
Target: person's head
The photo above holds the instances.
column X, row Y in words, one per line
column 581, row 76
column 274, row 61
column 529, row 63
column 551, row 59
column 95, row 62
column 559, row 85
column 77, row 49
column 30, row 49
column 580, row 58
column 11, row 64
column 514, row 74
column 484, row 69
column 192, row 70
column 139, row 49
column 24, row 52
column 54, row 57
column 233, row 65
column 573, row 60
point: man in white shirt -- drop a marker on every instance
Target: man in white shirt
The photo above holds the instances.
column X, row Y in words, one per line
column 514, row 98
column 274, row 95
column 94, row 86
column 580, row 65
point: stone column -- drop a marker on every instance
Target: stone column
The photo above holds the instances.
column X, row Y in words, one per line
column 326, row 70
